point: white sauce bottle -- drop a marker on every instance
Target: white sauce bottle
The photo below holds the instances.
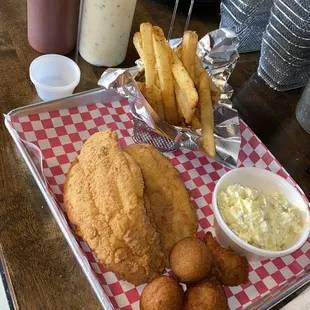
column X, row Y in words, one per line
column 105, row 31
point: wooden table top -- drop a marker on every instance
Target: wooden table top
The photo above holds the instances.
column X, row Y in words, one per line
column 43, row 272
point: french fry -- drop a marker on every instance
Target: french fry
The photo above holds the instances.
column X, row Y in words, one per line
column 186, row 96
column 215, row 91
column 159, row 31
column 206, row 115
column 141, row 86
column 137, row 42
column 148, row 57
column 163, row 62
column 159, row 101
column 198, row 70
column 149, row 96
column 150, row 91
column 189, row 115
column 196, row 124
column 157, row 80
column 178, row 51
column 176, row 84
column 153, row 96
column 188, row 53
column 185, row 110
column 184, row 81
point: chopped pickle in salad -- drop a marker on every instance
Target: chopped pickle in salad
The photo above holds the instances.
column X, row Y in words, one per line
column 268, row 222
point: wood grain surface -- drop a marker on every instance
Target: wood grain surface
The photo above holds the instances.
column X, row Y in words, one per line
column 42, row 269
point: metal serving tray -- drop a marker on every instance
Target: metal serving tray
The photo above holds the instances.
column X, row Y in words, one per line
column 92, row 99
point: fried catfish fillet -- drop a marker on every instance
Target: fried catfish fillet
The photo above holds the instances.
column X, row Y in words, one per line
column 104, row 197
column 170, row 205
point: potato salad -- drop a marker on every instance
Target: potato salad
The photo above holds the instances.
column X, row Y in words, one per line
column 268, row 222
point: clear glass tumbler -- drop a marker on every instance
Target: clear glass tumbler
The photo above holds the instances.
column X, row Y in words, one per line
column 303, row 109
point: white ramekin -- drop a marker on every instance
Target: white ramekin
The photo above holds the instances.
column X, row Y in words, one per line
column 266, row 182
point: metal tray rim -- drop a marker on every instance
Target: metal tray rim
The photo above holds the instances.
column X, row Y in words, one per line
column 101, row 295
column 47, row 106
column 94, row 282
column 96, row 286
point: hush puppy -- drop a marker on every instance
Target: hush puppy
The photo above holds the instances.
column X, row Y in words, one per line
column 191, row 260
column 162, row 293
column 230, row 268
column 205, row 295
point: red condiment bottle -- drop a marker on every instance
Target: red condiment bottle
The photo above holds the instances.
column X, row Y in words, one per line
column 53, row 25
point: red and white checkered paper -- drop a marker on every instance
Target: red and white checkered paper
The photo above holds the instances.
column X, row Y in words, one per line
column 60, row 136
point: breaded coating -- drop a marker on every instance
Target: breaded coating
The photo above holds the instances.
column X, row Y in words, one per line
column 205, row 295
column 231, row 268
column 104, row 197
column 171, row 207
column 191, row 260
column 162, row 293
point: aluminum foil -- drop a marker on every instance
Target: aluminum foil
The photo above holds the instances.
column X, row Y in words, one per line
column 218, row 53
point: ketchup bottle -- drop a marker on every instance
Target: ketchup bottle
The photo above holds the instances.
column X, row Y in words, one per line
column 53, row 25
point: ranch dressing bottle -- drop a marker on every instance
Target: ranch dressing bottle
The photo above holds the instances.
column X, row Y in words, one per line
column 105, row 31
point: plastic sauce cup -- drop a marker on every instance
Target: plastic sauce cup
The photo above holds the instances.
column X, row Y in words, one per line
column 54, row 76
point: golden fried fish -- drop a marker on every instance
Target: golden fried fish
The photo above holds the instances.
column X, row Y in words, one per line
column 104, row 197
column 170, row 205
